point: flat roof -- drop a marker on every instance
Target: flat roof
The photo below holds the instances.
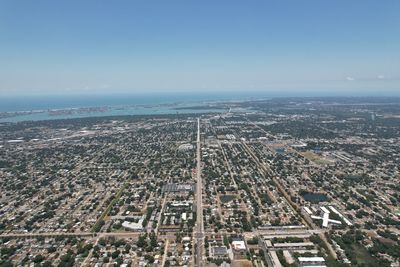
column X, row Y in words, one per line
column 238, row 245
column 298, row 244
column 325, row 210
column 307, row 210
column 311, row 259
column 325, row 219
column 275, row 258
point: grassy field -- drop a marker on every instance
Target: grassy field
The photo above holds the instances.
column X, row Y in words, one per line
column 363, row 256
column 227, row 198
column 315, row 158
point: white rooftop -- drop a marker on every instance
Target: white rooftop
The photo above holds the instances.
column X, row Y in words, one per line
column 311, row 259
column 239, row 245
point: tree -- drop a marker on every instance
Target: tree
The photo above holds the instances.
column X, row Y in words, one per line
column 141, row 242
column 38, row 258
column 115, row 254
column 47, row 264
column 102, row 242
column 149, row 258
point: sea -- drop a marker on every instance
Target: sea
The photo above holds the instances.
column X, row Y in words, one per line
column 36, row 108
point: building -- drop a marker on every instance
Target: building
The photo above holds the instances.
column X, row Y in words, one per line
column 177, row 188
column 219, row 252
column 311, row 261
column 133, row 226
column 239, row 246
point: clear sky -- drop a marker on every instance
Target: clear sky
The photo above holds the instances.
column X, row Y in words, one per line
column 85, row 46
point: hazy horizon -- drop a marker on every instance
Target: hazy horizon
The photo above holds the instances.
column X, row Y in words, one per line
column 223, row 93
column 16, row 103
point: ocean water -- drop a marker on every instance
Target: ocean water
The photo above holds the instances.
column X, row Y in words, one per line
column 59, row 102
column 137, row 104
column 37, row 107
column 29, row 103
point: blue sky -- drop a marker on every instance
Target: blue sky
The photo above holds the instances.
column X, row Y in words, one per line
column 74, row 47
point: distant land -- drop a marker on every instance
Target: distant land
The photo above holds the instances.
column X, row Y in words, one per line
column 37, row 108
column 42, row 102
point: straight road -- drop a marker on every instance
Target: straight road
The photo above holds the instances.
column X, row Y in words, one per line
column 49, row 234
column 199, row 204
column 165, row 253
column 80, row 234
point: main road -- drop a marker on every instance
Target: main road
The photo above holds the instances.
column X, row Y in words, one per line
column 199, row 204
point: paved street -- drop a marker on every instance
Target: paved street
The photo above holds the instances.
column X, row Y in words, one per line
column 199, row 203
